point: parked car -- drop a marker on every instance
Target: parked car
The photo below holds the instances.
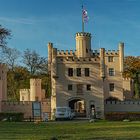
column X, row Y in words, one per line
column 64, row 113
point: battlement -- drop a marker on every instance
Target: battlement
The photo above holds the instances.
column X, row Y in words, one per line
column 111, row 52
column 15, row 103
column 83, row 34
column 123, row 102
column 24, row 90
column 35, row 82
column 65, row 53
column 126, row 79
column 96, row 53
column 75, row 59
column 3, row 66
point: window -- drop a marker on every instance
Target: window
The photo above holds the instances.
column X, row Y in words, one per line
column 86, row 71
column 79, row 88
column 111, row 87
column 111, row 72
column 22, row 98
column 78, row 71
column 70, row 71
column 88, row 87
column 69, row 87
column 110, row 58
column 86, row 50
column 36, row 98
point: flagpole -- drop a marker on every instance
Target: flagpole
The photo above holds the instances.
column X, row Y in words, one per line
column 82, row 20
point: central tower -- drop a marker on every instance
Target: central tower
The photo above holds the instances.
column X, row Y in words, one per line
column 83, row 44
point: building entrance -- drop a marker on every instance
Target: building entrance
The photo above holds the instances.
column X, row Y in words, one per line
column 78, row 106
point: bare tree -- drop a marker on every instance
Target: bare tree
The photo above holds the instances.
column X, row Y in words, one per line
column 33, row 61
column 9, row 56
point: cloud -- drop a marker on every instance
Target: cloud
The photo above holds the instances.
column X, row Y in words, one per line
column 18, row 20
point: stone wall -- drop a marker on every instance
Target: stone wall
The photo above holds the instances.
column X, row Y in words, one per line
column 24, row 107
column 122, row 106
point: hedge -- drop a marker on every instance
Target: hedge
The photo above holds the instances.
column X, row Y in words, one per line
column 119, row 116
column 11, row 116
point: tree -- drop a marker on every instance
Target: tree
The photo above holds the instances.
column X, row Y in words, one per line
column 132, row 70
column 10, row 56
column 34, row 62
column 16, row 80
column 4, row 33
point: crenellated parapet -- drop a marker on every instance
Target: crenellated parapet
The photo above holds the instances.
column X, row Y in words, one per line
column 65, row 53
column 78, row 60
column 131, row 102
column 127, row 79
column 111, row 53
column 3, row 66
column 83, row 34
column 24, row 90
column 13, row 103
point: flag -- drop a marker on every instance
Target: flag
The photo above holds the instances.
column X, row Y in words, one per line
column 85, row 16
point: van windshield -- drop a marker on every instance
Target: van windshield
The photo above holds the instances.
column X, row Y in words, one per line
column 61, row 109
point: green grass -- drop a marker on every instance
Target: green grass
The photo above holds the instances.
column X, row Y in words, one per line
column 70, row 130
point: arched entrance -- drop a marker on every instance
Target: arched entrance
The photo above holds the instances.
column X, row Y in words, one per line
column 78, row 106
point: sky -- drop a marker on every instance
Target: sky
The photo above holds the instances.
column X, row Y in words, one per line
column 34, row 23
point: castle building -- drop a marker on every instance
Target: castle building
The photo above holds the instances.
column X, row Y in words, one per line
column 84, row 78
column 35, row 93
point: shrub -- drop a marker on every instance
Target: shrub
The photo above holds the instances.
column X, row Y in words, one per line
column 11, row 116
column 119, row 116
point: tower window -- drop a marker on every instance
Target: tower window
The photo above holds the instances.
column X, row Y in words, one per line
column 70, row 71
column 86, row 50
column 69, row 87
column 88, row 87
column 36, row 98
column 79, row 88
column 78, row 71
column 110, row 58
column 111, row 87
column 111, row 72
column 86, row 71
column 22, row 98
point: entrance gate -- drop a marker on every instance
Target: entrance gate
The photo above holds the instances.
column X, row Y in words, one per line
column 78, row 106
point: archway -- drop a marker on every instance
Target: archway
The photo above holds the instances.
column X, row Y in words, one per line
column 78, row 106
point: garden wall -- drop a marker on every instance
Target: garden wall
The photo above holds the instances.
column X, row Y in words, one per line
column 122, row 106
column 24, row 107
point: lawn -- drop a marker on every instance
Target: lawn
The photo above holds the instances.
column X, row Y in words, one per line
column 70, row 130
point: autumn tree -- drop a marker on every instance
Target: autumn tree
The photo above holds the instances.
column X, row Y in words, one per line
column 16, row 80
column 132, row 70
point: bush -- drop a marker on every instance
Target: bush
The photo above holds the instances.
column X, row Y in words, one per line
column 11, row 116
column 119, row 116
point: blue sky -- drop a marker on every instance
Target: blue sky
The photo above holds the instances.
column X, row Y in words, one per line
column 34, row 23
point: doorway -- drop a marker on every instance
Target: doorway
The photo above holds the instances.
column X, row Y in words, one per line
column 78, row 106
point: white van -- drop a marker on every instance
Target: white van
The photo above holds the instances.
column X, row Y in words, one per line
column 63, row 113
